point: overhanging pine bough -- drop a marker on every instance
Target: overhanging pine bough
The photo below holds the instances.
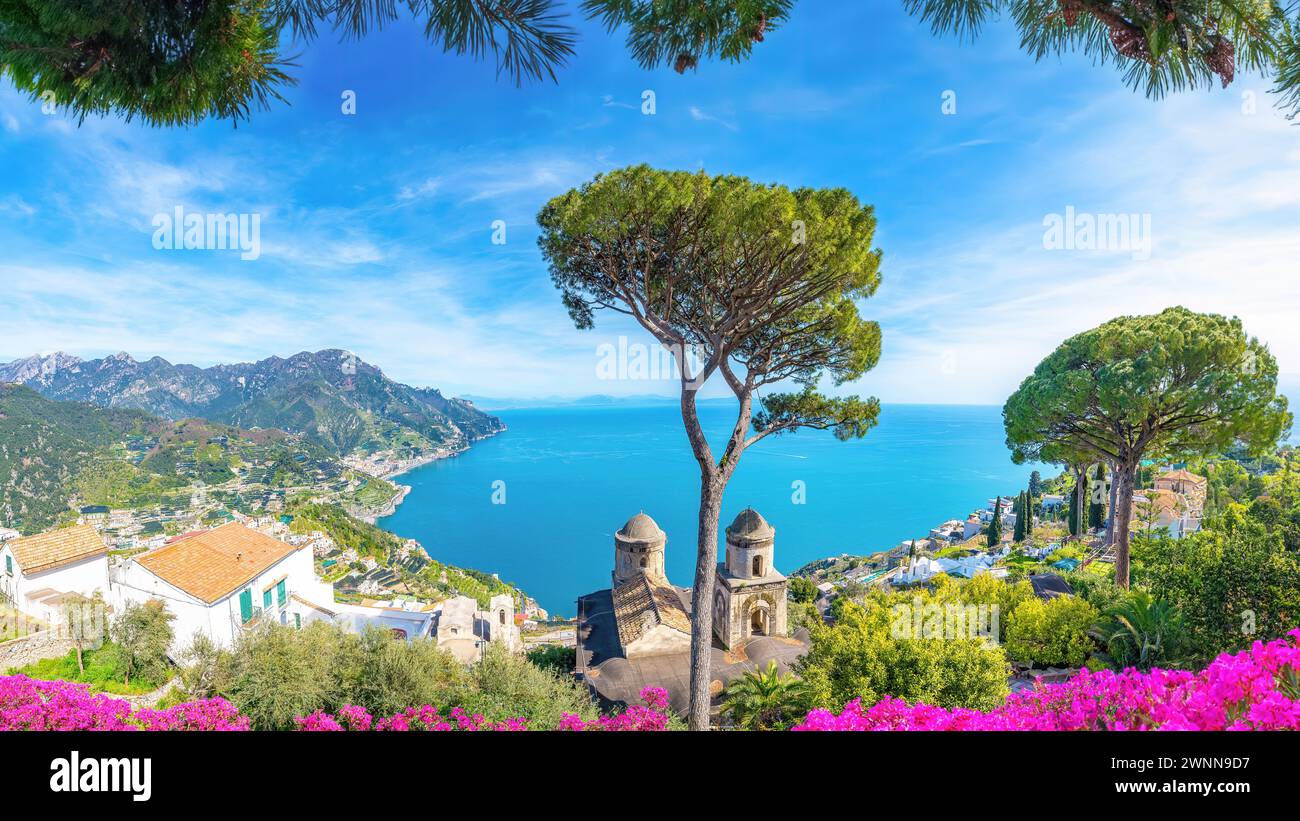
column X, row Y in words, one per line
column 1160, row 46
column 759, row 281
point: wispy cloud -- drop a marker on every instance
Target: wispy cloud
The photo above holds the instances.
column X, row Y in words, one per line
column 379, row 233
column 700, row 115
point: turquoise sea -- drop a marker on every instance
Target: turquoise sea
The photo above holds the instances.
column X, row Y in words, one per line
column 571, row 476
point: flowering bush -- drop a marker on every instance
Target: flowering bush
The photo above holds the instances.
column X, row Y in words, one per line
column 427, row 718
column 209, row 714
column 1258, row 689
column 415, row 719
column 32, row 704
column 637, row 718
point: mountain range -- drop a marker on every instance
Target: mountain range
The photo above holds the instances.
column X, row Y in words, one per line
column 330, row 397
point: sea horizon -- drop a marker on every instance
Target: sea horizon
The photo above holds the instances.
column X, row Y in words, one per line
column 538, row 504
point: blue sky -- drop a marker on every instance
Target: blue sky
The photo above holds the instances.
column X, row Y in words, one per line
column 376, row 228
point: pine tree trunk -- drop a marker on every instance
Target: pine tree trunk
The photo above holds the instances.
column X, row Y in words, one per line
column 81, row 666
column 1125, row 477
column 706, row 562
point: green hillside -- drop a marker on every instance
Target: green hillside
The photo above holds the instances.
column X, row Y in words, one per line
column 424, row 577
column 55, row 456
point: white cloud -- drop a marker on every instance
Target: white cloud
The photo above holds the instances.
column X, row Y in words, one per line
column 966, row 316
column 419, row 191
column 700, row 115
column 17, row 206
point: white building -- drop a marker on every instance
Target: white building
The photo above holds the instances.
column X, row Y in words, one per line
column 220, row 581
column 950, row 531
column 403, row 618
column 921, row 569
column 968, row 567
column 39, row 573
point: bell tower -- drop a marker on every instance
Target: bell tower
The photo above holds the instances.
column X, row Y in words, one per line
column 749, row 600
column 750, row 546
column 639, row 548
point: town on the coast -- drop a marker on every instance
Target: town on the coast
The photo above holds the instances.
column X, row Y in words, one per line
column 216, row 538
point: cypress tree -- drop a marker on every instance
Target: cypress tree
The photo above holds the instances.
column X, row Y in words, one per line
column 1029, row 513
column 1018, row 535
column 1097, row 509
column 995, row 526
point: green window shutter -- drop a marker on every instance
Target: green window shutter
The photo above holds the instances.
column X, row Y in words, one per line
column 246, row 605
column 297, row 620
column 266, row 599
column 9, row 565
column 281, row 595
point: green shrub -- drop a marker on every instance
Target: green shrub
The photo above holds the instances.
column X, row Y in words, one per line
column 143, row 636
column 552, row 657
column 802, row 590
column 276, row 673
column 863, row 655
column 1051, row 633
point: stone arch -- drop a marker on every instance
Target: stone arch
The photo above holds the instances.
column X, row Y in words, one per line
column 758, row 618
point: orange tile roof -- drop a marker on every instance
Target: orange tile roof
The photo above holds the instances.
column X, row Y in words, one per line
column 213, row 564
column 1161, row 499
column 1184, row 476
column 56, row 548
column 641, row 604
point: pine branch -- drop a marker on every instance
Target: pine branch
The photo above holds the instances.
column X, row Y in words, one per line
column 682, row 32
column 528, row 38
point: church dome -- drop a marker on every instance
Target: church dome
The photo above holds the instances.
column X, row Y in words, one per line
column 750, row 525
column 641, row 528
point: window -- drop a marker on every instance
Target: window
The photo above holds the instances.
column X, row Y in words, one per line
column 297, row 620
column 246, row 605
column 9, row 565
column 281, row 593
column 266, row 598
column 758, row 565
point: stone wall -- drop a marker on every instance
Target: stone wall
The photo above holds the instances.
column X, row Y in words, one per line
column 32, row 648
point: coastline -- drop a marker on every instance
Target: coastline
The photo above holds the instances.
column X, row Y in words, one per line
column 412, row 464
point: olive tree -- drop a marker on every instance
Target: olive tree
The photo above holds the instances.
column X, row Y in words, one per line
column 1172, row 385
column 756, row 283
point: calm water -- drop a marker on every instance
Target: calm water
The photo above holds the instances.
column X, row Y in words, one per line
column 573, row 476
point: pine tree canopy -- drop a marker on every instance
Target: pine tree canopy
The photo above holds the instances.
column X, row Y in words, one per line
column 680, row 32
column 179, row 62
column 168, row 63
column 1159, row 46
